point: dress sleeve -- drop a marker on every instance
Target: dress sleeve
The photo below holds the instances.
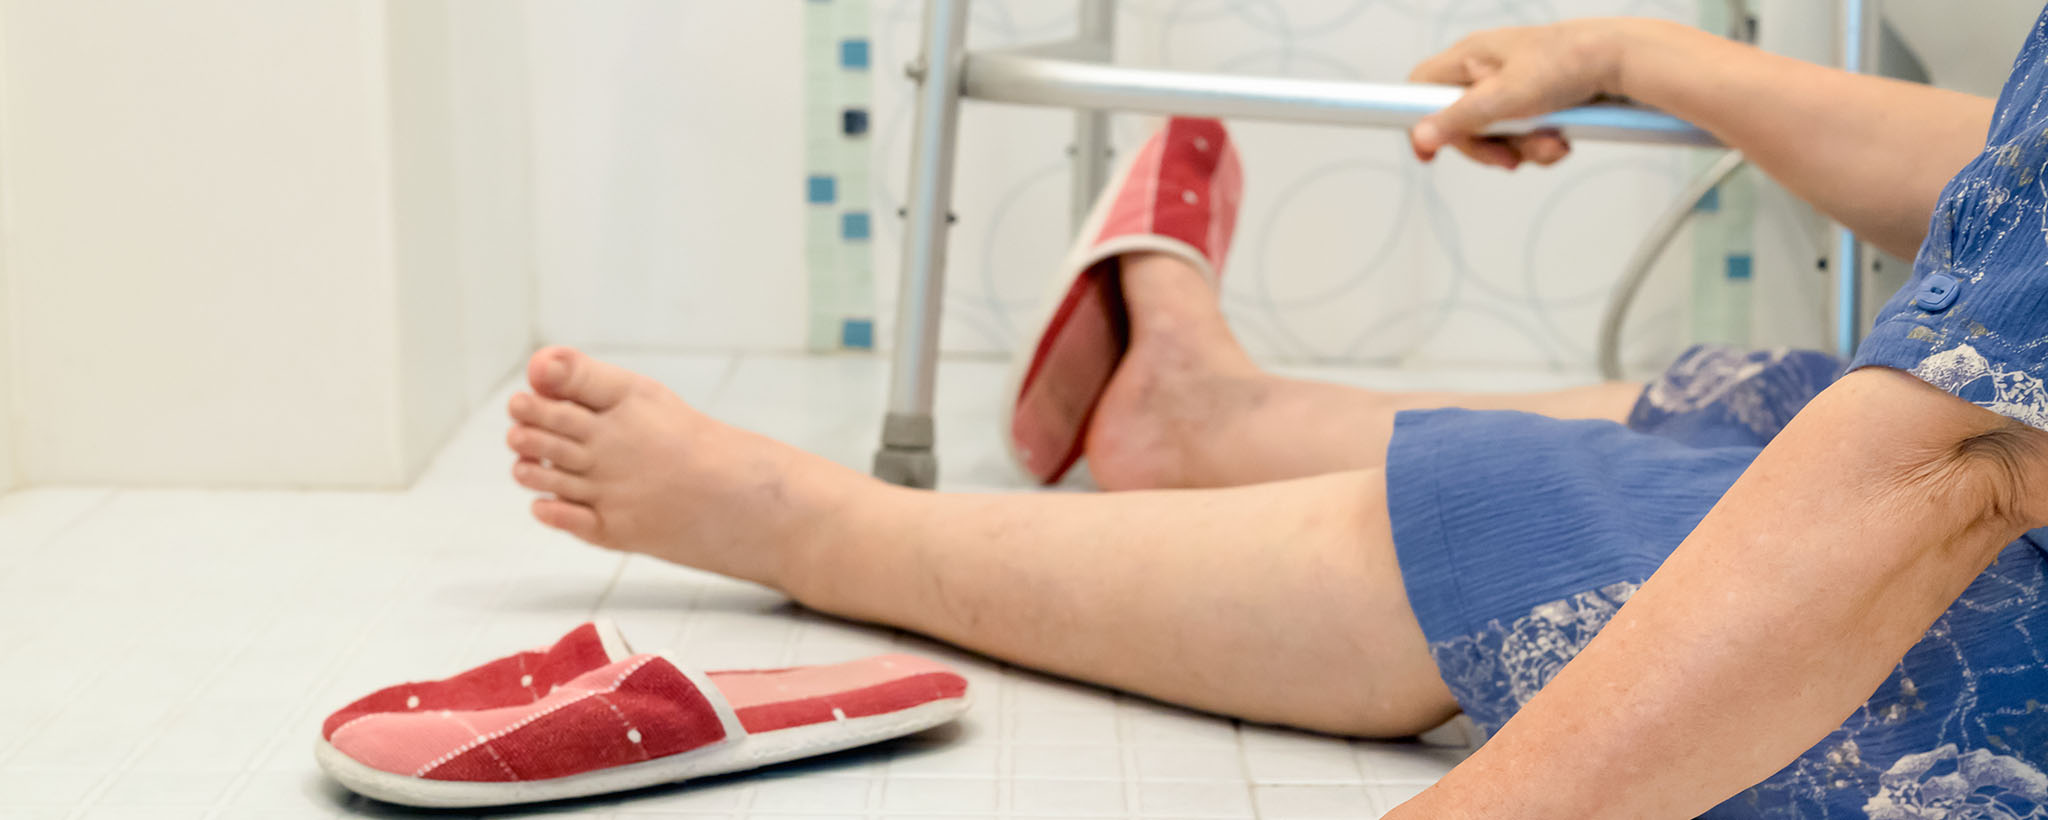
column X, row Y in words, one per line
column 1973, row 319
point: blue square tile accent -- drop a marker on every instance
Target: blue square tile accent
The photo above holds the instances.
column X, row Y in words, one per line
column 821, row 189
column 853, row 54
column 1709, row 203
column 857, row 334
column 1739, row 266
column 853, row 226
column 853, row 121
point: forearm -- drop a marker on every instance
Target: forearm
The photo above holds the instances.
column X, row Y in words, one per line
column 1872, row 153
column 1774, row 620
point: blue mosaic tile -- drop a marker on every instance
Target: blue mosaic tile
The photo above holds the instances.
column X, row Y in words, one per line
column 821, row 189
column 1739, row 265
column 857, row 334
column 853, row 54
column 853, row 226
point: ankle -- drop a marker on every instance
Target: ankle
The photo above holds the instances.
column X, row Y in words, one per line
column 1174, row 308
column 1160, row 286
column 832, row 544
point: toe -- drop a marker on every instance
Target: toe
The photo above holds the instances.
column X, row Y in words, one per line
column 574, row 519
column 541, row 478
column 565, row 373
column 563, row 418
column 541, row 445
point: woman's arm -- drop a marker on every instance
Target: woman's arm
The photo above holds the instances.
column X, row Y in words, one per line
column 1776, row 618
column 1870, row 152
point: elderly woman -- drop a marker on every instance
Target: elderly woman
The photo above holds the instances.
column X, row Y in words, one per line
column 1763, row 585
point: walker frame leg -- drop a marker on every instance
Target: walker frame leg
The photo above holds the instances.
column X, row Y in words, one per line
column 906, row 456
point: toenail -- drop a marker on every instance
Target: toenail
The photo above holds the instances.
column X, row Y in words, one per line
column 1201, row 144
column 1188, row 196
column 555, row 371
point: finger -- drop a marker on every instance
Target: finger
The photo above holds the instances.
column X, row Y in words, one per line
column 1542, row 147
column 1449, row 67
column 1480, row 69
column 1484, row 103
column 1489, row 151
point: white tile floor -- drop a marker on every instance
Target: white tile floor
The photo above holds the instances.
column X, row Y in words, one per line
column 170, row 653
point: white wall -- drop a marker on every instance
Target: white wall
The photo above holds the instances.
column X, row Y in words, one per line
column 669, row 170
column 493, row 128
column 235, row 239
column 1967, row 46
column 8, row 473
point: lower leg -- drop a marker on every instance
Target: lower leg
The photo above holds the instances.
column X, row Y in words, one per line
column 1188, row 408
column 1278, row 603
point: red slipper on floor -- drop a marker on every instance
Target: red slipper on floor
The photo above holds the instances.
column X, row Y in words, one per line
column 497, row 735
column 1177, row 195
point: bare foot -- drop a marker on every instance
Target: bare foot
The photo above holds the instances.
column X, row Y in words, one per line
column 630, row 466
column 1181, row 384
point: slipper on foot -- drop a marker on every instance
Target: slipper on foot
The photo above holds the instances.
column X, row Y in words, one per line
column 586, row 716
column 1177, row 195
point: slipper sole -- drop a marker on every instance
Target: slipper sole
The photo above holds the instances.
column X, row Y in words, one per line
column 749, row 752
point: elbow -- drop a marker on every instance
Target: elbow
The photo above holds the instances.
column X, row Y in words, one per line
column 1977, row 491
column 2004, row 473
column 1972, row 470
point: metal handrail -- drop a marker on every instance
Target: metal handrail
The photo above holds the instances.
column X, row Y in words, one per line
column 1068, row 75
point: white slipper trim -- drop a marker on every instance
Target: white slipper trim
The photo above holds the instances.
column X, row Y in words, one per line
column 739, row 751
column 1085, row 253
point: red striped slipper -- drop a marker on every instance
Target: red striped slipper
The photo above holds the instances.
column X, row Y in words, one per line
column 535, row 727
column 1176, row 195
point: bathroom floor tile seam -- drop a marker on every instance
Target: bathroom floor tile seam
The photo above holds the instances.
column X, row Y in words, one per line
column 205, row 595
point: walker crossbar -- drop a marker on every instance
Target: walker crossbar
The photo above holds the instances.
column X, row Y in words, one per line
column 1063, row 76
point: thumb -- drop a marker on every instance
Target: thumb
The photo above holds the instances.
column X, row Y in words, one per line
column 1483, row 104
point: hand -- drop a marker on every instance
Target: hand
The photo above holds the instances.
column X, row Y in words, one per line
column 1512, row 73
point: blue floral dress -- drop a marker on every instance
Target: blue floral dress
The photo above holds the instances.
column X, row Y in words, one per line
column 1519, row 536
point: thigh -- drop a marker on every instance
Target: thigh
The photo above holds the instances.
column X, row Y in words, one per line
column 1519, row 535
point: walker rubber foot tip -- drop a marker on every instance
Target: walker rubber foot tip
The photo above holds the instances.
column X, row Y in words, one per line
column 918, row 469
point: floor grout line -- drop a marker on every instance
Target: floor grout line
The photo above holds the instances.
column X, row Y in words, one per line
column 611, row 584
column 155, row 734
column 725, row 378
column 77, row 519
